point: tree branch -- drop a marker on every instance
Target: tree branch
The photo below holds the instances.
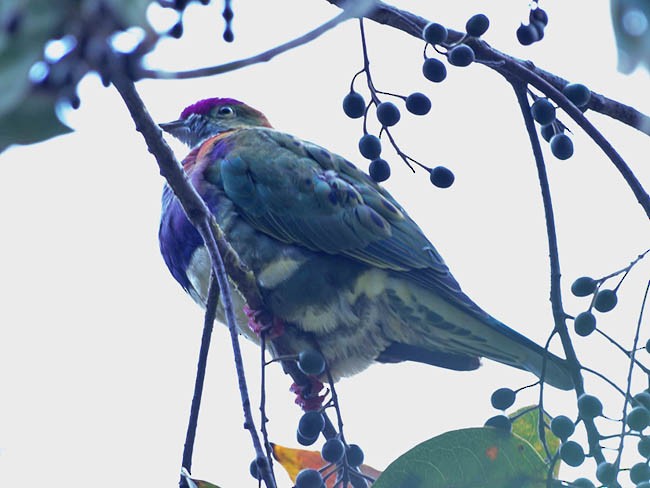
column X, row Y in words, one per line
column 199, row 215
column 354, row 9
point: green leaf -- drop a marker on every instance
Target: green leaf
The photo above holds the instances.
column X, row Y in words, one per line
column 631, row 19
column 33, row 121
column 468, row 458
column 526, row 426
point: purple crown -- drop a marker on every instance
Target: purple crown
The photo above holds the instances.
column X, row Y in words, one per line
column 204, row 106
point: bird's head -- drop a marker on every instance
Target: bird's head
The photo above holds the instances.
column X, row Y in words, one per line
column 209, row 117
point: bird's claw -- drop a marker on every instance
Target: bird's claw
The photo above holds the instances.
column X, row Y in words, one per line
column 258, row 322
column 307, row 396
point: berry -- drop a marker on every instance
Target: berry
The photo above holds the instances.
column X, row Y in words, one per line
column 370, row 146
column 379, row 170
column 461, row 55
column 606, row 472
column 477, row 25
column 643, row 399
column 638, row 418
column 354, row 455
column 434, row 70
column 578, row 93
column 584, row 286
column 605, row 300
column 538, row 15
column 502, row 398
column 543, row 111
column 639, row 473
column 434, row 33
column 572, row 453
column 254, row 470
column 527, row 34
column 309, row 478
column 589, row 406
column 563, row 427
column 441, row 177
column 644, row 447
column 499, row 422
column 584, row 324
column 539, row 27
column 354, row 105
column 561, row 146
column 583, row 483
column 176, row 31
column 388, row 114
column 547, row 132
column 311, row 362
column 305, row 441
column 311, row 424
column 333, row 450
column 647, row 346
column 418, row 103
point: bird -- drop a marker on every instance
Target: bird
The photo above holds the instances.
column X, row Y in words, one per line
column 338, row 262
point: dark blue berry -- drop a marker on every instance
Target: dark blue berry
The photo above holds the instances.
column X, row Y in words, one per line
column 503, row 398
column 309, row 478
column 305, row 441
column 561, row 146
column 527, row 34
column 499, row 422
column 584, row 323
column 589, row 406
column 538, row 15
column 441, row 177
column 379, row 170
column 461, row 55
column 639, row 473
column 606, row 472
column 311, row 362
column 354, row 455
column 582, row 483
column 418, row 103
column 434, row 70
column 434, row 33
column 333, row 450
column 644, row 447
column 578, row 93
column 547, row 132
column 477, row 25
column 584, row 286
column 638, row 418
column 254, row 470
column 605, row 300
column 354, row 105
column 543, row 111
column 643, row 399
column 370, row 146
column 563, row 427
column 388, row 114
column 311, row 424
column 572, row 453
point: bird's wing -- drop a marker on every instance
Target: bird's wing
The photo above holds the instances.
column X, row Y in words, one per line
column 300, row 193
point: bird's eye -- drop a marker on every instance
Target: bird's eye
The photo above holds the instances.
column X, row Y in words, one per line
column 225, row 110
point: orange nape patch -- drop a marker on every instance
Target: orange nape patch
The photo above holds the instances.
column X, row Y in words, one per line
column 492, row 453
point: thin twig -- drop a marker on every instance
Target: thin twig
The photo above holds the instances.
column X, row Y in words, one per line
column 354, row 9
column 629, row 374
column 208, row 323
column 199, row 215
column 559, row 316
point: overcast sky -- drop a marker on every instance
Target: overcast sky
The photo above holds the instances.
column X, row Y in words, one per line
column 98, row 343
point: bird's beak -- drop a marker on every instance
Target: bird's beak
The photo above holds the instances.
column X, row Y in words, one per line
column 178, row 128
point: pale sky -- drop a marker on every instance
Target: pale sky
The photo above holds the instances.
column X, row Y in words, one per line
column 98, row 343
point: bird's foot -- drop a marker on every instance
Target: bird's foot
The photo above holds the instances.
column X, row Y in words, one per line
column 307, row 396
column 260, row 322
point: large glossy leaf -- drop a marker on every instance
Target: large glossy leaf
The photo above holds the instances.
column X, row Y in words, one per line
column 468, row 458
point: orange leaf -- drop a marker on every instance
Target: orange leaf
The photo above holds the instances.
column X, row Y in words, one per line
column 294, row 460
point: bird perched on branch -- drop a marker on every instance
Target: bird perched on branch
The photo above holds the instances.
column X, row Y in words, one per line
column 338, row 261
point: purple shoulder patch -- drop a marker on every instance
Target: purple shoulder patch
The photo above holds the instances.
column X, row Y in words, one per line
column 204, row 106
